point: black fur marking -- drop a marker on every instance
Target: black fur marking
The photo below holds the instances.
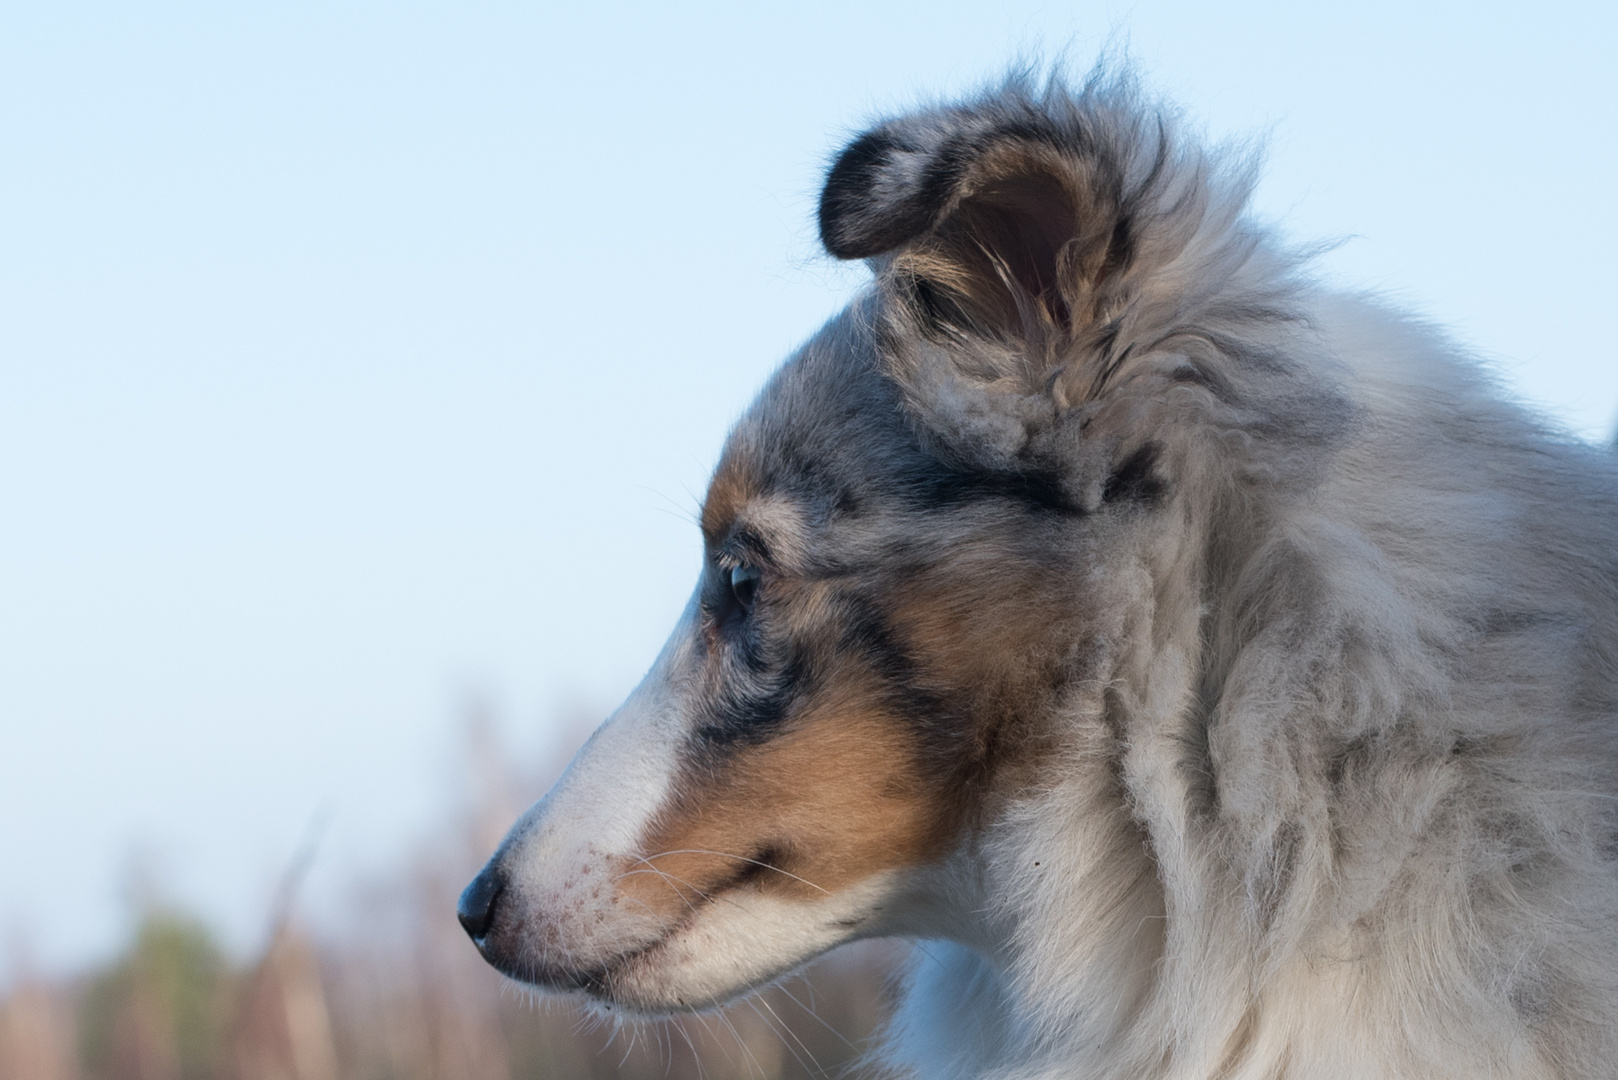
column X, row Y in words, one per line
column 934, row 307
column 1501, row 621
column 855, row 221
column 765, row 864
column 1134, row 479
column 744, row 641
column 1120, row 247
column 1197, row 375
column 752, row 715
column 868, row 635
column 943, row 489
column 752, row 710
column 745, row 547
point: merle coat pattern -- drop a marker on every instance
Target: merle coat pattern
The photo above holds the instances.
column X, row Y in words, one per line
column 1217, row 671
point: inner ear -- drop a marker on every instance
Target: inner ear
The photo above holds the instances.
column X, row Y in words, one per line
column 1023, row 223
column 999, row 254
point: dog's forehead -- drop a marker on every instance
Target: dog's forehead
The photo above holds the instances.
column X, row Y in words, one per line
column 825, row 429
column 735, row 482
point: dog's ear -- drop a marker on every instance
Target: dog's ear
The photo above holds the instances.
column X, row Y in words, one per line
column 1062, row 282
column 997, row 222
column 1002, row 234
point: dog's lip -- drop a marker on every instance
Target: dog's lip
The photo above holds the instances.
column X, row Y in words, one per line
column 595, row 980
column 598, row 980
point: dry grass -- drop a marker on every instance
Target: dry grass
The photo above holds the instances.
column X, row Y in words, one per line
column 395, row 992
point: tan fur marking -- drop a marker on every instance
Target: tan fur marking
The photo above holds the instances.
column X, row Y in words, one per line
column 848, row 790
column 732, row 486
column 831, row 801
column 971, row 625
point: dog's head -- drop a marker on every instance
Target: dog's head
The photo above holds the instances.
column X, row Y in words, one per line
column 933, row 524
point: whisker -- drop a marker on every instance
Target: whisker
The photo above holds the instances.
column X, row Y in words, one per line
column 921, row 948
column 687, row 514
column 668, row 877
column 753, row 1003
column 707, row 1029
column 808, row 1053
column 630, row 1049
column 696, row 1058
column 664, row 923
column 652, row 868
column 742, row 1045
column 740, row 858
column 814, row 1015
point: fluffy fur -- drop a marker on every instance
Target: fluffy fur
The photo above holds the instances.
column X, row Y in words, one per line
column 1217, row 671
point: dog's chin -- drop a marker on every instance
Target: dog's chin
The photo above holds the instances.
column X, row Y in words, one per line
column 675, row 973
column 657, row 981
column 715, row 955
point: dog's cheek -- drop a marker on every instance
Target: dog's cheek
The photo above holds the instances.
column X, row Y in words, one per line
column 836, row 799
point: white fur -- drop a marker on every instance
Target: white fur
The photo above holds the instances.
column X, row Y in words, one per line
column 564, row 856
column 745, row 939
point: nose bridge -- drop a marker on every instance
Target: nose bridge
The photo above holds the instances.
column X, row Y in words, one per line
column 617, row 781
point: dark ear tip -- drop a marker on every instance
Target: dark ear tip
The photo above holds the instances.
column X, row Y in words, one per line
column 836, row 246
column 850, row 188
column 869, row 205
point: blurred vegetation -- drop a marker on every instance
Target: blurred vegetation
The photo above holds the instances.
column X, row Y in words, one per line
column 160, row 1007
column 397, row 993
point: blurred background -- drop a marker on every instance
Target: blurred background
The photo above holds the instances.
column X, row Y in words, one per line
column 361, row 367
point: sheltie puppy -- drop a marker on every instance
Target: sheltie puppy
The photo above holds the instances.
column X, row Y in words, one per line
column 1213, row 667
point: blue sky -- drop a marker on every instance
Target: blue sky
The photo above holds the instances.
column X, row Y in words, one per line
column 358, row 361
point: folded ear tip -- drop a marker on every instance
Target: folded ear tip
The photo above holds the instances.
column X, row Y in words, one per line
column 850, row 184
column 865, row 208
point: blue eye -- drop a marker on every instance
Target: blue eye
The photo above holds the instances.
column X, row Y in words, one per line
column 744, row 585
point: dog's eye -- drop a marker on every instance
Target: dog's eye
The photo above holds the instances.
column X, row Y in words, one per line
column 744, row 585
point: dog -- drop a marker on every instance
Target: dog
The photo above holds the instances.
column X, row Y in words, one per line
column 1213, row 668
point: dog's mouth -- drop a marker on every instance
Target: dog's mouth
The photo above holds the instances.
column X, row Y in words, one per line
column 603, row 981
column 532, row 951
column 733, row 940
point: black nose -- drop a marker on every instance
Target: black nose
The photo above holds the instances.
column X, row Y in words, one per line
column 476, row 909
